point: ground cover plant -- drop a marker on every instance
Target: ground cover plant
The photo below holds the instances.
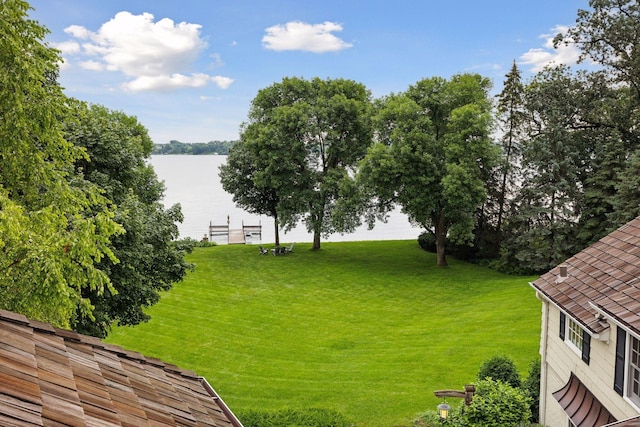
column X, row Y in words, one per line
column 367, row 329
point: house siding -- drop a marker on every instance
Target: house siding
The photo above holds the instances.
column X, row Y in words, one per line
column 560, row 360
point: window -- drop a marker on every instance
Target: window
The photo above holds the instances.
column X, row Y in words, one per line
column 627, row 371
column 572, row 332
column 634, row 369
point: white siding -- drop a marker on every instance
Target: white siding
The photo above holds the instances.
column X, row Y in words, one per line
column 561, row 360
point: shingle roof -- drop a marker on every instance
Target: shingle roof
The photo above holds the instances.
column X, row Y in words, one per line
column 606, row 274
column 54, row 377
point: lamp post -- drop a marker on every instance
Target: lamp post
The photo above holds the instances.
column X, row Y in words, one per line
column 466, row 394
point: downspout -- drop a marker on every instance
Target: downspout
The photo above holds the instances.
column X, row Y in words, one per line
column 543, row 356
column 223, row 406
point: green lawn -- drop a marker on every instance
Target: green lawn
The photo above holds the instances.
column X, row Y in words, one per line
column 369, row 329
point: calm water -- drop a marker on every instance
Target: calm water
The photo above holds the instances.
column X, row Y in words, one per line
column 193, row 182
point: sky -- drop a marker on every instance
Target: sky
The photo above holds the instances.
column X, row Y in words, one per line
column 189, row 69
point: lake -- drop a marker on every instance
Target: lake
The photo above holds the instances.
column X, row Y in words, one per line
column 193, row 182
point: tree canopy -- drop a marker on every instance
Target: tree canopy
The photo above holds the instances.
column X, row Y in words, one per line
column 55, row 227
column 149, row 261
column 307, row 136
column 432, row 149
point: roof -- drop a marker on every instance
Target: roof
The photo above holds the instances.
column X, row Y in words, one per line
column 581, row 405
column 51, row 376
column 631, row 422
column 606, row 274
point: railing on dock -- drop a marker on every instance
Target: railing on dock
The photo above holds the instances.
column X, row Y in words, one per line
column 222, row 234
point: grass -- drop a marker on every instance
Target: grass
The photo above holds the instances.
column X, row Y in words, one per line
column 369, row 329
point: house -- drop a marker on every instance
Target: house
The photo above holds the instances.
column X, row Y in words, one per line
column 590, row 340
column 54, row 377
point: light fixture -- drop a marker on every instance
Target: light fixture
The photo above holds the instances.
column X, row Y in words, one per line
column 443, row 410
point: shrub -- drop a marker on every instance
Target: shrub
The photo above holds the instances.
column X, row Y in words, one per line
column 500, row 368
column 427, row 241
column 531, row 387
column 496, row 404
column 309, row 417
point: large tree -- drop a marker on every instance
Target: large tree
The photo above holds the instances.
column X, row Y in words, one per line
column 243, row 177
column 308, row 136
column 511, row 117
column 55, row 227
column 431, row 156
column 149, row 259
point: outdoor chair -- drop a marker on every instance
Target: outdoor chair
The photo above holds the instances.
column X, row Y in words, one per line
column 289, row 249
column 263, row 251
column 280, row 250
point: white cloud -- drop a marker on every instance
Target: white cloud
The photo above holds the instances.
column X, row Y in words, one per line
column 67, row 48
column 539, row 58
column 298, row 35
column 92, row 65
column 175, row 81
column 155, row 55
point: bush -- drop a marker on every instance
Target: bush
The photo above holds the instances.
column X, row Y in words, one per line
column 496, row 404
column 500, row 368
column 310, row 417
column 427, row 241
column 531, row 387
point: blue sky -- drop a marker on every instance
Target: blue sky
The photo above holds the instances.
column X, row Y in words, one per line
column 189, row 69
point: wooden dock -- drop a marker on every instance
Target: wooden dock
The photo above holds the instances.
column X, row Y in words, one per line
column 223, row 234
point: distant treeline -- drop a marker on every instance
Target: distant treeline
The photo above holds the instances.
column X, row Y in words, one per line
column 195, row 148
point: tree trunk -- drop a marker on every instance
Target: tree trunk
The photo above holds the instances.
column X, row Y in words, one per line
column 316, row 240
column 441, row 240
column 276, row 224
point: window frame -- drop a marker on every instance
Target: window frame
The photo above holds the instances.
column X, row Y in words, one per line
column 632, row 368
column 575, row 337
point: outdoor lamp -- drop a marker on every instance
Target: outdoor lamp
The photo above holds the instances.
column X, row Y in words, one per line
column 443, row 410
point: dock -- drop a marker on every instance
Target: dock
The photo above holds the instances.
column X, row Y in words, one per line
column 222, row 234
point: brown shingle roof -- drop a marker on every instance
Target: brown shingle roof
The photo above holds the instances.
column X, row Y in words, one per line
column 606, row 274
column 53, row 377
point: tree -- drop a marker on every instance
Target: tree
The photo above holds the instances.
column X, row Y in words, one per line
column 500, row 368
column 511, row 117
column 242, row 176
column 608, row 35
column 149, row 261
column 309, row 135
column 542, row 230
column 54, row 226
column 431, row 154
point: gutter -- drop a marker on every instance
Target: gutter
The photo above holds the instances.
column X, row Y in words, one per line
column 225, row 409
column 543, row 354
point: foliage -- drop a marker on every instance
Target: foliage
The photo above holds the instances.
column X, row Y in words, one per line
column 342, row 328
column 531, row 386
column 148, row 259
column 511, row 118
column 308, row 137
column 243, row 177
column 195, row 148
column 54, row 226
column 433, row 148
column 608, row 35
column 500, row 368
column 496, row 404
column 310, row 417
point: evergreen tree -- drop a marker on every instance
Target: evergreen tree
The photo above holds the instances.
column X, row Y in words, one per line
column 511, row 117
